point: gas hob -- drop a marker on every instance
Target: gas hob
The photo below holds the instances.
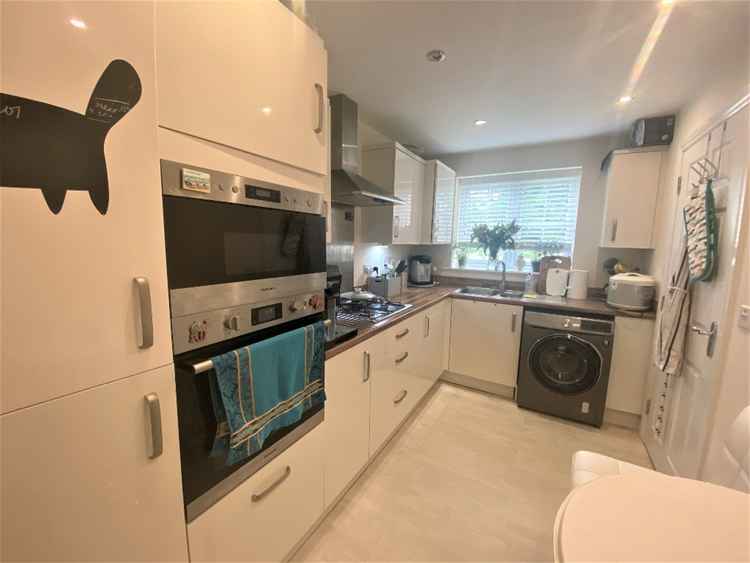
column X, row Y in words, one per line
column 359, row 312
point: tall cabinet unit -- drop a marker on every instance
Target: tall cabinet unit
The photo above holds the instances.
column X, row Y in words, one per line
column 632, row 189
column 256, row 77
column 438, row 208
column 394, row 168
column 89, row 450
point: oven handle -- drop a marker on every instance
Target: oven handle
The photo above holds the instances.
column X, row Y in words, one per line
column 208, row 365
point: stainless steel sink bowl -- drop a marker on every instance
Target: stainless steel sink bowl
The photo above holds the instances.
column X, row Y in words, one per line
column 484, row 291
column 490, row 292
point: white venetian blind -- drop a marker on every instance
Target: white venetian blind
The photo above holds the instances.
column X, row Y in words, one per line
column 544, row 203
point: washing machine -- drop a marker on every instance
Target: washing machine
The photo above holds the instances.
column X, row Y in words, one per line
column 564, row 364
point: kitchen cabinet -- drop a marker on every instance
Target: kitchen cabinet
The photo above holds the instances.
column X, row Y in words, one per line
column 266, row 516
column 81, row 480
column 73, row 317
column 434, row 346
column 630, row 202
column 631, row 360
column 251, row 76
column 438, row 208
column 347, row 417
column 485, row 341
column 400, row 172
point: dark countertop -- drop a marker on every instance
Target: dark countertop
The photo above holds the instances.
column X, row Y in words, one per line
column 421, row 299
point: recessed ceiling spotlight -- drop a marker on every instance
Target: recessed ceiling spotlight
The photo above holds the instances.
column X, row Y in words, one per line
column 436, row 56
column 625, row 99
column 266, row 110
column 480, row 122
column 75, row 22
column 667, row 2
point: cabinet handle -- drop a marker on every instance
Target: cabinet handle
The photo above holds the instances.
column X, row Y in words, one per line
column 402, row 334
column 401, row 396
column 614, row 231
column 146, row 337
column 426, row 326
column 402, row 358
column 257, row 497
column 154, row 415
column 513, row 318
column 366, row 374
column 321, row 111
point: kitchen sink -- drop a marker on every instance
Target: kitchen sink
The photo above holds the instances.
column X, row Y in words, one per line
column 490, row 292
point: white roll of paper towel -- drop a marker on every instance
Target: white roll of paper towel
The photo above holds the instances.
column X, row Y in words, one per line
column 578, row 284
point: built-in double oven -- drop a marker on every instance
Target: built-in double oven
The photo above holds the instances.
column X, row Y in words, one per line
column 245, row 262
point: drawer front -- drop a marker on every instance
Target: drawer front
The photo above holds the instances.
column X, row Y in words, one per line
column 262, row 519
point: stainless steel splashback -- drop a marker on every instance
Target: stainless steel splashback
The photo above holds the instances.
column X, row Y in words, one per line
column 340, row 251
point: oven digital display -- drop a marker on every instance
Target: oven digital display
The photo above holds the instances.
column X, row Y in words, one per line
column 266, row 314
column 263, row 194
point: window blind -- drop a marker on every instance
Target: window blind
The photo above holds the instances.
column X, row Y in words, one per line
column 544, row 203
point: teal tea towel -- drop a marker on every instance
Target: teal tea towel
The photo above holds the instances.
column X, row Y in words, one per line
column 265, row 386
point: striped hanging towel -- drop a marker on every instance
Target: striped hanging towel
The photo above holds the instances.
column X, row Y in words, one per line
column 671, row 326
column 265, row 386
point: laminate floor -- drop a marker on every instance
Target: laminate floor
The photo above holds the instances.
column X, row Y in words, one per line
column 470, row 477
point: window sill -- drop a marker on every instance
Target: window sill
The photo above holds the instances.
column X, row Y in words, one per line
column 482, row 274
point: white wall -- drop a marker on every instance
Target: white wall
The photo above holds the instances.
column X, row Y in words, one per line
column 587, row 153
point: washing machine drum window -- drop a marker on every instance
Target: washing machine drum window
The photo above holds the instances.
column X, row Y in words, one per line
column 565, row 363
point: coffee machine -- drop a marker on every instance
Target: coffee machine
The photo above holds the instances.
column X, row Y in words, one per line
column 420, row 270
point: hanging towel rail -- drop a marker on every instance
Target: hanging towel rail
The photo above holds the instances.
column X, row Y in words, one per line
column 208, row 365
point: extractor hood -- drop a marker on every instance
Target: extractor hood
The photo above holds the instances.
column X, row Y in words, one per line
column 347, row 186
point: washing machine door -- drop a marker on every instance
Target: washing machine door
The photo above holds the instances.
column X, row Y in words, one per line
column 565, row 363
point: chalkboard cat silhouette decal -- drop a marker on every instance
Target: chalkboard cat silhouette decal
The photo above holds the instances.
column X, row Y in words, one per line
column 55, row 150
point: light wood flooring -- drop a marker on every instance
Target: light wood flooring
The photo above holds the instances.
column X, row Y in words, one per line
column 470, row 477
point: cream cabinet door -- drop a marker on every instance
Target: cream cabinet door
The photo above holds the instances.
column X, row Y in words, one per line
column 71, row 316
column 249, row 75
column 631, row 360
column 267, row 515
column 347, row 417
column 632, row 189
column 435, row 328
column 439, row 193
column 485, row 340
column 408, row 186
column 81, row 481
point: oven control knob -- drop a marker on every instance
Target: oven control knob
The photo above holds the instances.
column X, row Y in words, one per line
column 232, row 323
column 297, row 306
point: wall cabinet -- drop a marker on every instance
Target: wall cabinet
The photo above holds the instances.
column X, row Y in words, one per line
column 438, row 208
column 251, row 76
column 485, row 340
column 347, row 417
column 631, row 360
column 78, row 481
column 395, row 169
column 71, row 316
column 267, row 515
column 631, row 193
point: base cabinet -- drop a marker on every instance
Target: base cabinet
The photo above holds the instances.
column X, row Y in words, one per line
column 631, row 360
column 79, row 482
column 347, row 418
column 485, row 340
column 266, row 516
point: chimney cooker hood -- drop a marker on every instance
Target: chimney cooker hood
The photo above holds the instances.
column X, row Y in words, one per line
column 347, row 186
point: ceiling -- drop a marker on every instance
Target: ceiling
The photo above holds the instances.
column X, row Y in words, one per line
column 536, row 71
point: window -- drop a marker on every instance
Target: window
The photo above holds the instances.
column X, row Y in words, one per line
column 544, row 204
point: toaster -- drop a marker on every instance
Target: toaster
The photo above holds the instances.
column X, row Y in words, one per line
column 631, row 292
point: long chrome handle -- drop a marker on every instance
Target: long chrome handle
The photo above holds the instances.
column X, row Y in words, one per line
column 366, row 374
column 146, row 337
column 402, row 358
column 401, row 396
column 513, row 318
column 321, row 110
column 402, row 334
column 154, row 416
column 257, row 497
column 426, row 326
column 614, row 231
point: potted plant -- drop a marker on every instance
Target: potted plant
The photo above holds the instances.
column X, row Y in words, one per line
column 461, row 256
column 493, row 239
